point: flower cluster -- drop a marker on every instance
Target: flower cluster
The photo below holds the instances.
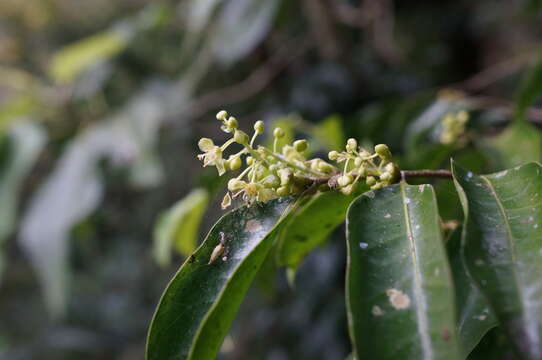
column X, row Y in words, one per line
column 453, row 127
column 281, row 172
column 376, row 170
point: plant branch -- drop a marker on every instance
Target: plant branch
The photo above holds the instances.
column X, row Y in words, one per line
column 441, row 174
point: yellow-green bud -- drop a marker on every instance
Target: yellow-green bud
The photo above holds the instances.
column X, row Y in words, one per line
column 240, row 137
column 344, row 180
column 205, row 144
column 232, row 123
column 376, row 186
column 333, row 155
column 234, row 162
column 278, row 133
column 385, row 176
column 222, row 115
column 301, row 145
column 362, row 171
column 286, row 176
column 383, row 151
column 357, row 161
column 249, row 160
column 351, row 145
column 370, row 180
column 258, row 127
column 283, row 191
column 347, row 190
column 325, row 167
column 236, row 184
column 271, row 181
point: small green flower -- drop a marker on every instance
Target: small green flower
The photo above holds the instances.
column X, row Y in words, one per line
column 212, row 156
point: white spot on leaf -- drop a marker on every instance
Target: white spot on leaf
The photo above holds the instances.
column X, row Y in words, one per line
column 253, row 226
column 398, row 299
column 377, row 311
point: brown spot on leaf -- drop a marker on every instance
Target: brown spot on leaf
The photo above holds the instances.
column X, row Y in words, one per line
column 445, row 334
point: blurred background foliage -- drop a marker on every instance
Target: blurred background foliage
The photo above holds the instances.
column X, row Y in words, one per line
column 102, row 104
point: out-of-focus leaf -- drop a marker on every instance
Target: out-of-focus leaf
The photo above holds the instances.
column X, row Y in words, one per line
column 198, row 306
column 530, row 89
column 474, row 314
column 25, row 142
column 179, row 226
column 521, row 142
column 74, row 59
column 198, row 15
column 329, row 133
column 17, row 107
column 74, row 189
column 310, row 225
column 241, row 26
column 503, row 243
column 399, row 291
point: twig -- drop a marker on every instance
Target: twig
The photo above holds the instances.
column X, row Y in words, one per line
column 254, row 83
column 441, row 174
column 331, row 180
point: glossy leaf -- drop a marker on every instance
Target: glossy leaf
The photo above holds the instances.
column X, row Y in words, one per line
column 310, row 225
column 474, row 314
column 199, row 304
column 178, row 226
column 399, row 288
column 503, row 248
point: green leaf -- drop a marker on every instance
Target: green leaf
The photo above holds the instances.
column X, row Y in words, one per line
column 529, row 90
column 503, row 248
column 198, row 306
column 399, row 291
column 76, row 58
column 475, row 316
column 310, row 225
column 521, row 142
column 179, row 226
column 329, row 133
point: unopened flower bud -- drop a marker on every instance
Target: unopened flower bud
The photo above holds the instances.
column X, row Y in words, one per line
column 300, row 145
column 271, row 181
column 234, row 162
column 347, row 190
column 370, row 180
column 249, row 160
column 240, row 137
column 222, row 115
column 325, row 167
column 351, row 145
column 385, row 176
column 383, row 151
column 232, row 123
column 258, row 127
column 278, row 132
column 286, row 176
column 333, row 155
column 345, row 180
column 357, row 161
column 283, row 191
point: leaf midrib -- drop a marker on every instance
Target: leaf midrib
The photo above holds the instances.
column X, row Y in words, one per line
column 509, row 239
column 420, row 299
